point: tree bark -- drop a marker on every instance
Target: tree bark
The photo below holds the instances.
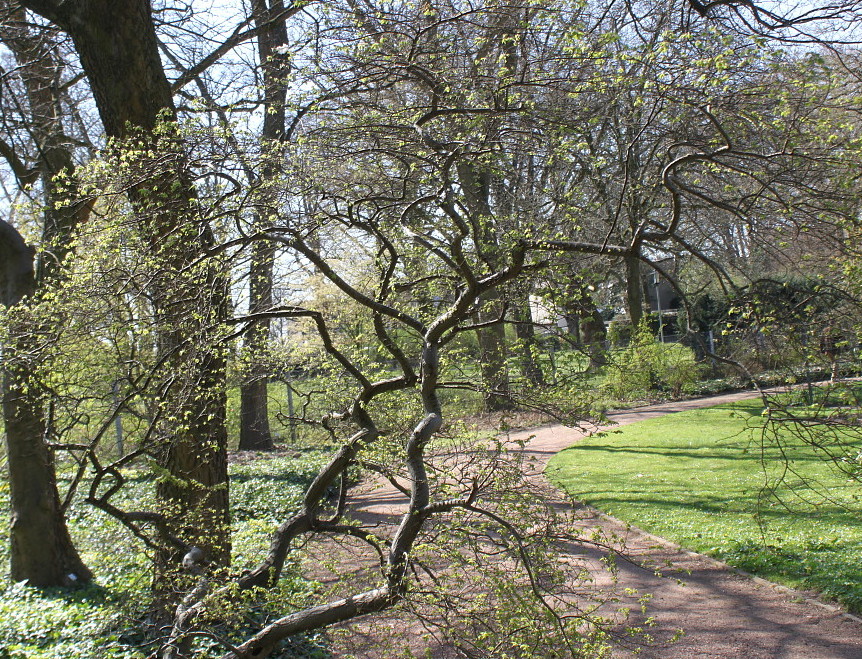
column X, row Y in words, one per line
column 634, row 290
column 593, row 333
column 476, row 184
column 492, row 358
column 254, row 430
column 117, row 46
column 591, row 328
column 41, row 549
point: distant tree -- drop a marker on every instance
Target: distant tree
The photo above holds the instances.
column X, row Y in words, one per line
column 272, row 40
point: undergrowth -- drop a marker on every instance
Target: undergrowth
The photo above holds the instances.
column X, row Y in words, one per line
column 103, row 619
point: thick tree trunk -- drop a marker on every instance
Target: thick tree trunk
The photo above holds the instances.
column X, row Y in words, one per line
column 117, row 45
column 41, row 550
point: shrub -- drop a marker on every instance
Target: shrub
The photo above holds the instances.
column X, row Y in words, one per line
column 645, row 366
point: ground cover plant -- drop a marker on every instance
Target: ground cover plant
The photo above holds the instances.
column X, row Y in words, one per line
column 727, row 482
column 100, row 619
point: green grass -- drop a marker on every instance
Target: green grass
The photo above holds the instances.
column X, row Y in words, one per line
column 712, row 480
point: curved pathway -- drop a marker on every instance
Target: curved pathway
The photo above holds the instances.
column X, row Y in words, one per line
column 724, row 613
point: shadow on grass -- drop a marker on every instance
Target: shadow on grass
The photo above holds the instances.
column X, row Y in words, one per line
column 830, row 568
column 658, row 450
column 741, row 452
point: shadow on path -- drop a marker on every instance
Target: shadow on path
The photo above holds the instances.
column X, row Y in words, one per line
column 723, row 614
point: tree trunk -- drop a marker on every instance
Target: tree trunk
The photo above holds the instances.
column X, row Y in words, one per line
column 476, row 184
column 527, row 344
column 41, row 550
column 592, row 329
column 117, row 45
column 593, row 333
column 634, row 290
column 254, row 431
column 495, row 376
column 269, row 19
column 573, row 325
column 492, row 359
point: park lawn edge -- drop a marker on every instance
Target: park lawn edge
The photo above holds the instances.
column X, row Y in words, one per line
column 783, row 538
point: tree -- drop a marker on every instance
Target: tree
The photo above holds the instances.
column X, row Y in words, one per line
column 449, row 158
column 118, row 51
column 269, row 18
column 405, row 156
column 42, row 552
column 411, row 164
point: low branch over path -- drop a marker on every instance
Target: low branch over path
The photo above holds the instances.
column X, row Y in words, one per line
column 724, row 614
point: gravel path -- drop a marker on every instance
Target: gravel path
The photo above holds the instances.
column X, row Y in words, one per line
column 724, row 613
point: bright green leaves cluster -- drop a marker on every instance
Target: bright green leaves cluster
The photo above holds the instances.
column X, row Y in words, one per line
column 644, row 367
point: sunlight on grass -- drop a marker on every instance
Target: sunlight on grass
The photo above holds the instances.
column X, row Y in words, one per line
column 713, row 481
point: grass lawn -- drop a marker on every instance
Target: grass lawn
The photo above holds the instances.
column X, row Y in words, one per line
column 712, row 481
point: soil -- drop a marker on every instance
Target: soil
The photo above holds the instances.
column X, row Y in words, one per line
column 722, row 612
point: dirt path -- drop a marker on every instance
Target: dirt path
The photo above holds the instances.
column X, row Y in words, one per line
column 724, row 614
